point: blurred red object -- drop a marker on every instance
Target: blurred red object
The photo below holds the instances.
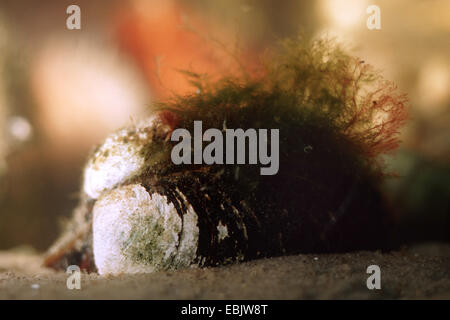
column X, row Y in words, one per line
column 164, row 40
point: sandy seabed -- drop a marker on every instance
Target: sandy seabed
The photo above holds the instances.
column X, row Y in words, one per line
column 417, row 272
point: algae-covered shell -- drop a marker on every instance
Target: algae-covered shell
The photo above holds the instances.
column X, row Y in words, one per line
column 137, row 218
column 122, row 156
column 141, row 212
column 135, row 231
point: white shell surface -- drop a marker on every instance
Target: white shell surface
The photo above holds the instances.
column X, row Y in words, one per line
column 138, row 232
column 115, row 161
column 120, row 157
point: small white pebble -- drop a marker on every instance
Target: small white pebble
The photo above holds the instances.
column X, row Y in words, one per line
column 35, row 286
column 223, row 231
column 316, row 258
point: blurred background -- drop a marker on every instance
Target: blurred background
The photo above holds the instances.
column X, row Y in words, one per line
column 62, row 91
